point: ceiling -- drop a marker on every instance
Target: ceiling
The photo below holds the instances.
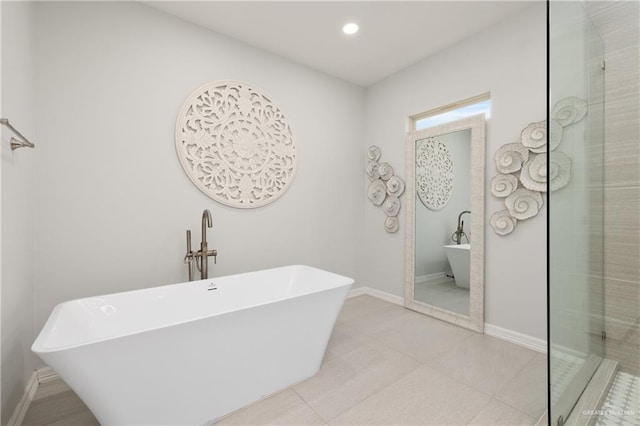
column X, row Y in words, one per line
column 392, row 36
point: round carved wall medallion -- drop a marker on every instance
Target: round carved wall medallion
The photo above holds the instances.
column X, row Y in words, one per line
column 434, row 173
column 235, row 144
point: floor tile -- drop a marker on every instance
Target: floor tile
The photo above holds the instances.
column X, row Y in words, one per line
column 564, row 368
column 50, row 388
column 499, row 413
column 344, row 381
column 284, row 408
column 483, row 362
column 527, row 391
column 83, row 418
column 622, row 404
column 416, row 335
column 423, row 397
column 345, row 339
column 360, row 306
column 380, row 321
column 53, row 408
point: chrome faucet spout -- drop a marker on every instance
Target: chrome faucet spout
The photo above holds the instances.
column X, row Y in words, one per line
column 201, row 258
column 460, row 216
column 457, row 236
column 204, row 253
column 207, row 222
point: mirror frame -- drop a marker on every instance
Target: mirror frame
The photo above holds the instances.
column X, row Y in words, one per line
column 475, row 320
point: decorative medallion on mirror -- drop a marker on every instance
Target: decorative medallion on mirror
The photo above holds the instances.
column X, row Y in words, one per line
column 522, row 166
column 434, row 173
column 444, row 251
column 235, row 144
column 385, row 188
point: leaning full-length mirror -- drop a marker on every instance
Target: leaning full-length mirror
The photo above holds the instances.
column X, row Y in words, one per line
column 444, row 274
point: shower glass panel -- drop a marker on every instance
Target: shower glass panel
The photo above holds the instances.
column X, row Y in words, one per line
column 576, row 143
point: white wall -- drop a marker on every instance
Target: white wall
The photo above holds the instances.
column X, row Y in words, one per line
column 17, row 204
column 113, row 200
column 508, row 60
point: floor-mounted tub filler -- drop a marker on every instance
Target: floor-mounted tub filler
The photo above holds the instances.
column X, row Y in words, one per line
column 190, row 353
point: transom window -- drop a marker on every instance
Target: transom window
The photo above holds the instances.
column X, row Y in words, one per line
column 452, row 112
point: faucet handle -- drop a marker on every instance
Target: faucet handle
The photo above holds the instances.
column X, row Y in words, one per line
column 189, row 258
column 213, row 253
column 189, row 241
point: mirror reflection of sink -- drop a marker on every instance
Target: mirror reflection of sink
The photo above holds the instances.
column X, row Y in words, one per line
column 459, row 259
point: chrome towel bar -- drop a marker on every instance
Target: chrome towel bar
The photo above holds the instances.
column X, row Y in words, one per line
column 15, row 143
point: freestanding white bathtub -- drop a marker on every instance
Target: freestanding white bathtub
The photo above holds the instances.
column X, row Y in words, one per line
column 459, row 256
column 192, row 352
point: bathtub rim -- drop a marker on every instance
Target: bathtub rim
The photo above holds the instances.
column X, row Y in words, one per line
column 458, row 246
column 38, row 348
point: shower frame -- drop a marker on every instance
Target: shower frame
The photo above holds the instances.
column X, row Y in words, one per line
column 576, row 212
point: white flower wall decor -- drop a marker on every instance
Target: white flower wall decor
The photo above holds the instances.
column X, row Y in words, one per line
column 384, row 189
column 235, row 144
column 522, row 166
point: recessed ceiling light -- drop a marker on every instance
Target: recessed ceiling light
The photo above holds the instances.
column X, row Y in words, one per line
column 350, row 28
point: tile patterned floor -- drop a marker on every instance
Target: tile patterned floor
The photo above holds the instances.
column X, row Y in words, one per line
column 384, row 365
column 56, row 404
column 622, row 405
column 564, row 368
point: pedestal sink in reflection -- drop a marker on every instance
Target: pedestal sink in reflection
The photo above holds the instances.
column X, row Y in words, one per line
column 459, row 256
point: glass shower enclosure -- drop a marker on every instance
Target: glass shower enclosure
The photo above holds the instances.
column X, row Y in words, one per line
column 576, row 204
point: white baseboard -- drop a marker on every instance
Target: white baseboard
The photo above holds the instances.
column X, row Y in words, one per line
column 46, row 374
column 530, row 342
column 357, row 292
column 41, row 375
column 391, row 298
column 423, row 279
column 21, row 409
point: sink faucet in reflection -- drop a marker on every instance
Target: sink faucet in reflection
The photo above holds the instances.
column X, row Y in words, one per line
column 457, row 236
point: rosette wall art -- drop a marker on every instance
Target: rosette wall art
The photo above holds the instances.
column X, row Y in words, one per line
column 523, row 173
column 384, row 189
column 235, row 144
